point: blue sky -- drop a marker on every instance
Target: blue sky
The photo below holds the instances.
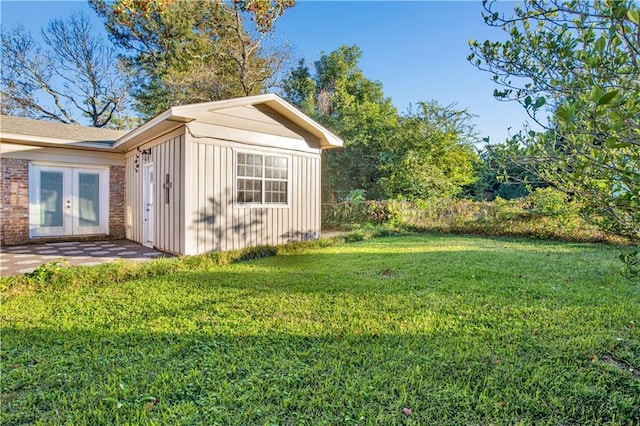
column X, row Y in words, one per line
column 416, row 49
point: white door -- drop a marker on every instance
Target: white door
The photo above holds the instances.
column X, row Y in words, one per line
column 50, row 201
column 89, row 188
column 67, row 201
column 148, row 213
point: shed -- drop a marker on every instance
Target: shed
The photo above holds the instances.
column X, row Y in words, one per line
column 197, row 178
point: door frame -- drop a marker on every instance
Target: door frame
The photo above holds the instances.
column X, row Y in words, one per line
column 148, row 205
column 70, row 202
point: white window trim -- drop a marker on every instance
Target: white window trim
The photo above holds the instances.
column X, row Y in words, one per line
column 263, row 205
column 104, row 188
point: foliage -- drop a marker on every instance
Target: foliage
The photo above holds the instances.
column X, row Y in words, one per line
column 75, row 70
column 432, row 154
column 425, row 152
column 544, row 214
column 505, row 173
column 551, row 202
column 579, row 62
column 46, row 272
column 459, row 330
column 195, row 51
column 356, row 108
column 631, row 260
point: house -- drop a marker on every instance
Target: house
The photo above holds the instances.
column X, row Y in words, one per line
column 197, row 178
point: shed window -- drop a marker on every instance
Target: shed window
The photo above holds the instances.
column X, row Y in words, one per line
column 261, row 179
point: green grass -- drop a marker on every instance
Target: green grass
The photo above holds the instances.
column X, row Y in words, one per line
column 461, row 330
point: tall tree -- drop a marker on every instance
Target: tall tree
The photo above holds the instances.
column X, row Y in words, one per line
column 73, row 78
column 195, row 51
column 342, row 98
column 577, row 62
column 421, row 154
column 432, row 154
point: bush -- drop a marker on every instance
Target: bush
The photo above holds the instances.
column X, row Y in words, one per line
column 346, row 214
column 551, row 202
column 545, row 214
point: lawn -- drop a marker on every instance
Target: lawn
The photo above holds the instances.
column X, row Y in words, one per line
column 422, row 329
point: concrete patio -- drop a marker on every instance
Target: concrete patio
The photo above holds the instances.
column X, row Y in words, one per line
column 25, row 258
column 22, row 259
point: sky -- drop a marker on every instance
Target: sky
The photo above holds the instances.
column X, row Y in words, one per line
column 416, row 49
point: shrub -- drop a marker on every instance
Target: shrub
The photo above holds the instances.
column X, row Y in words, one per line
column 550, row 202
column 545, row 214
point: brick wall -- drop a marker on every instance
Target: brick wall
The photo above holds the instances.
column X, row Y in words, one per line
column 14, row 226
column 117, row 191
column 14, row 222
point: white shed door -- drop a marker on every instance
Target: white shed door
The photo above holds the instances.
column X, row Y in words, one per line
column 148, row 216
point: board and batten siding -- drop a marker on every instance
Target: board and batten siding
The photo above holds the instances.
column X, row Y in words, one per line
column 168, row 157
column 216, row 223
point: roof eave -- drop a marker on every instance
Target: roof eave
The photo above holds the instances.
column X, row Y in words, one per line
column 159, row 125
column 55, row 142
column 328, row 140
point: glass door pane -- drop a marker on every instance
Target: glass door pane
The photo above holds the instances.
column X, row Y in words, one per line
column 88, row 199
column 51, row 199
column 90, row 213
column 68, row 201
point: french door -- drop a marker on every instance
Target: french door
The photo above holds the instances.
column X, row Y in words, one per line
column 68, row 200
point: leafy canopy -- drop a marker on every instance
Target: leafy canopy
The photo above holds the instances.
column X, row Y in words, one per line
column 417, row 155
column 575, row 67
column 194, row 51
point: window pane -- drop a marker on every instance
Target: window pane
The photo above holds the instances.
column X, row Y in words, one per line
column 275, row 192
column 249, row 191
column 88, row 199
column 50, row 199
column 276, row 168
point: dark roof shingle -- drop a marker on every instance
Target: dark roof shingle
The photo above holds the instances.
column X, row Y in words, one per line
column 47, row 129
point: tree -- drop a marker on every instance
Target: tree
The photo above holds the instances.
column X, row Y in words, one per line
column 504, row 172
column 579, row 64
column 195, row 51
column 433, row 153
column 73, row 78
column 340, row 97
column 425, row 153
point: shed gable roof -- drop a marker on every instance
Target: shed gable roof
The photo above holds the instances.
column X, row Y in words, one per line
column 296, row 121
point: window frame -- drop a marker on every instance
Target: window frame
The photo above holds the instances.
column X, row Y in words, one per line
column 263, row 179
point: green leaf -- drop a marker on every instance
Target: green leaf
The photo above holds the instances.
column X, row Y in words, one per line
column 539, row 102
column 563, row 114
column 620, row 11
column 607, row 97
column 600, row 44
column 596, row 94
column 633, row 16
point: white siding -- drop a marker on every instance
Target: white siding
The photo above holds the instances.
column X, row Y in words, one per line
column 216, row 224
column 167, row 155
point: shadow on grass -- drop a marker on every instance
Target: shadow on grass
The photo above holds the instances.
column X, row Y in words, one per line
column 81, row 377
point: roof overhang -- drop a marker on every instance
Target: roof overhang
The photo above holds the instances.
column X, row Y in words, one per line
column 177, row 116
column 54, row 142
